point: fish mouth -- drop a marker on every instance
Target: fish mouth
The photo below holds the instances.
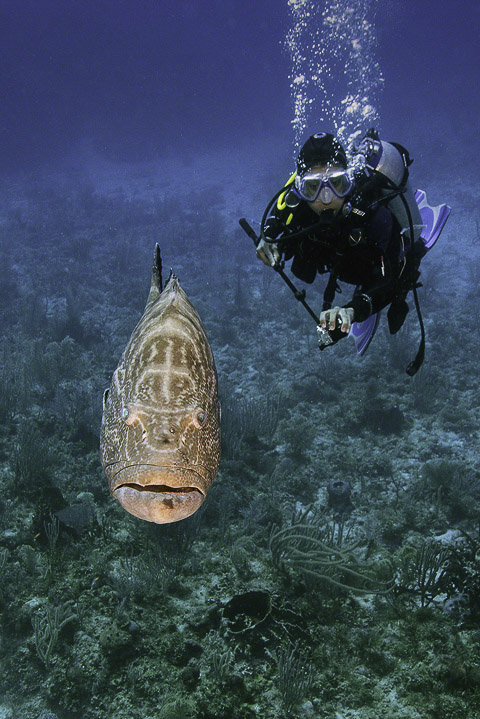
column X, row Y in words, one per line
column 159, row 494
column 159, row 488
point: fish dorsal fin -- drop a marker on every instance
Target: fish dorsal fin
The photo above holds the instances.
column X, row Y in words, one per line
column 156, row 287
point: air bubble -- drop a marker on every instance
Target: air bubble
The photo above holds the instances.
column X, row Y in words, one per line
column 335, row 78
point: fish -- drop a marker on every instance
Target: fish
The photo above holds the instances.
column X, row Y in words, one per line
column 160, row 432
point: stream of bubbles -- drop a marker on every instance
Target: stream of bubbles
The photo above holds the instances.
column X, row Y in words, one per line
column 335, row 79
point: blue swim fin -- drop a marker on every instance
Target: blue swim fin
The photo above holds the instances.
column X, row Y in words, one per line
column 363, row 332
column 433, row 218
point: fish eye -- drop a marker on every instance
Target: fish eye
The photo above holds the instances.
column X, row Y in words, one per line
column 200, row 418
column 105, row 397
column 125, row 413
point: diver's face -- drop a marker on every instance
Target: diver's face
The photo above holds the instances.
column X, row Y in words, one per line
column 335, row 204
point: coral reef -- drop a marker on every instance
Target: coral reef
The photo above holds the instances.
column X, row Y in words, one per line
column 370, row 605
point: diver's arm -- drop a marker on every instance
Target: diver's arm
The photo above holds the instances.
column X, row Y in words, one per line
column 267, row 250
column 365, row 302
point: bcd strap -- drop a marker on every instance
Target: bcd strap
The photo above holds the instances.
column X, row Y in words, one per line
column 330, row 290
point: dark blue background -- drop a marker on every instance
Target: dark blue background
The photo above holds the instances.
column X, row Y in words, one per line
column 143, row 79
column 430, row 56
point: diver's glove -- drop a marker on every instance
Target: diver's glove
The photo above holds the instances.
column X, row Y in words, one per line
column 334, row 325
column 337, row 317
column 268, row 253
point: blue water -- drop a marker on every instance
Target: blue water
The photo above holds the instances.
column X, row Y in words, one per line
column 126, row 123
column 143, row 79
column 138, row 78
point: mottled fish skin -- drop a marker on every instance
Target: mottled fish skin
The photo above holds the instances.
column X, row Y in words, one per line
column 160, row 436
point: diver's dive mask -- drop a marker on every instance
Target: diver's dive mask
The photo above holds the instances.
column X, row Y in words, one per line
column 323, row 185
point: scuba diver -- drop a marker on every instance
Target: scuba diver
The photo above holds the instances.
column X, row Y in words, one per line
column 354, row 216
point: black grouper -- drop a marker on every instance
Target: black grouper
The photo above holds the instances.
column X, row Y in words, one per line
column 160, row 435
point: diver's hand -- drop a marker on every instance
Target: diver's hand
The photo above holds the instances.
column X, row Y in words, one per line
column 335, row 316
column 268, row 253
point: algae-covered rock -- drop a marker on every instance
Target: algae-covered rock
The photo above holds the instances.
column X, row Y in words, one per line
column 116, row 643
column 181, row 708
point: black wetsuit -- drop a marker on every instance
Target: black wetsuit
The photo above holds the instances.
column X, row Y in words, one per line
column 365, row 248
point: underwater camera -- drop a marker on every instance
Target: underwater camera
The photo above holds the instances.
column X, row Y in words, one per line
column 329, row 337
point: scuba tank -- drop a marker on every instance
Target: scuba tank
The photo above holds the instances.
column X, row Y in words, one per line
column 388, row 163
